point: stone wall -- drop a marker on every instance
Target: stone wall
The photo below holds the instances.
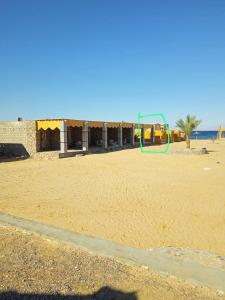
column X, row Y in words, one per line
column 18, row 138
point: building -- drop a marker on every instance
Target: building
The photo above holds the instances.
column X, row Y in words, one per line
column 67, row 137
column 221, row 133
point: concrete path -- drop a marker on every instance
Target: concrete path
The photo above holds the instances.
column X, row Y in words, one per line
column 156, row 260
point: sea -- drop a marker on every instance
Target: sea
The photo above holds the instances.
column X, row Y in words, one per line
column 203, row 135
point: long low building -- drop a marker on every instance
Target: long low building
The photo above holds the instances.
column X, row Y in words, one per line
column 68, row 136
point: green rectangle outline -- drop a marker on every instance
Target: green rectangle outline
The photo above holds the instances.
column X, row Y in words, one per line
column 167, row 131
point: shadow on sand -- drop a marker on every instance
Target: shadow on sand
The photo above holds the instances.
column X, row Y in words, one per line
column 12, row 152
column 105, row 293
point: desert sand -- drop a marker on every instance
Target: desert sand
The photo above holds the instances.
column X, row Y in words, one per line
column 141, row 200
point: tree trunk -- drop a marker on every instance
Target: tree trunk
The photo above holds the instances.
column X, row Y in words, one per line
column 188, row 143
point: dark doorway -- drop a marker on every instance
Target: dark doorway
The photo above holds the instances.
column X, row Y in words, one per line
column 49, row 139
column 74, row 135
column 126, row 136
column 112, row 136
column 95, row 136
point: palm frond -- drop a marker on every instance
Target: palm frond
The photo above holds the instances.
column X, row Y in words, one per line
column 180, row 124
column 189, row 124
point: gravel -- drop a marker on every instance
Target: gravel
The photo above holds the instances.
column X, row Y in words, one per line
column 33, row 267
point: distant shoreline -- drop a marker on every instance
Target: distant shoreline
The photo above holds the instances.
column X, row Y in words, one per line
column 204, row 134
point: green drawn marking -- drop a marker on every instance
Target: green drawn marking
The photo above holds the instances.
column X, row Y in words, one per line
column 140, row 136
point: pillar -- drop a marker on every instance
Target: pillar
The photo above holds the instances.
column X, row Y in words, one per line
column 89, row 136
column 69, row 136
column 132, row 135
column 120, row 135
column 105, row 136
column 85, row 136
column 152, row 139
column 63, row 137
column 143, row 136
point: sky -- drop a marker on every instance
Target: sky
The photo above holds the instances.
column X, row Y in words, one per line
column 109, row 60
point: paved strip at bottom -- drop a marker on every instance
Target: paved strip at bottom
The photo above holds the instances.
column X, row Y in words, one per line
column 155, row 260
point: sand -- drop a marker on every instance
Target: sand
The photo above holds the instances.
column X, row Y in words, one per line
column 142, row 200
column 47, row 267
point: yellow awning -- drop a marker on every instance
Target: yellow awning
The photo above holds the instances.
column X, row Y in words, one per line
column 48, row 124
column 55, row 123
column 148, row 133
column 74, row 123
column 113, row 124
column 127, row 125
column 158, row 133
column 147, row 126
column 95, row 124
column 176, row 131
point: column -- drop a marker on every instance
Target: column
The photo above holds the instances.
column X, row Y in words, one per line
column 143, row 136
column 132, row 135
column 89, row 136
column 120, row 135
column 105, row 136
column 63, row 137
column 69, row 136
column 152, row 139
column 85, row 136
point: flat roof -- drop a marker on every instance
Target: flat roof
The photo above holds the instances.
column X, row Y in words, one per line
column 55, row 123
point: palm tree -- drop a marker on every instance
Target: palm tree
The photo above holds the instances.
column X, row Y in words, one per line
column 188, row 126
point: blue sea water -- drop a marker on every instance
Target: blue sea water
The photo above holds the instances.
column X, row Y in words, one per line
column 203, row 135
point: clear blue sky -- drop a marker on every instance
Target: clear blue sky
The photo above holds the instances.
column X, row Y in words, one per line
column 108, row 60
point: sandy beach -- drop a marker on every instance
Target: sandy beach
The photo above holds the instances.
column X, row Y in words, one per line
column 141, row 200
